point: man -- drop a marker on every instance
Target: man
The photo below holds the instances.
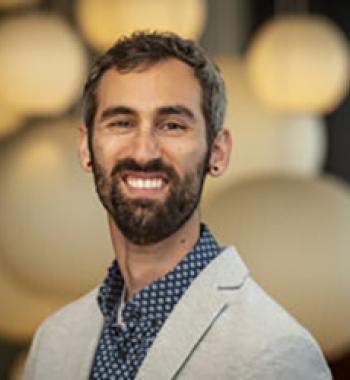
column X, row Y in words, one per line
column 174, row 304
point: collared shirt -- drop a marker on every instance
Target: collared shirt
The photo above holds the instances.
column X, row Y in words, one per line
column 123, row 347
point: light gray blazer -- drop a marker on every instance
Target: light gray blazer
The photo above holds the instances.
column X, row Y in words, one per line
column 224, row 327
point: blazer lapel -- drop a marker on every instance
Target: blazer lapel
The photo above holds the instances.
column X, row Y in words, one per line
column 84, row 341
column 197, row 310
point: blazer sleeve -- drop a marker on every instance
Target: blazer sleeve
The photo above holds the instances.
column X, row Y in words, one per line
column 295, row 357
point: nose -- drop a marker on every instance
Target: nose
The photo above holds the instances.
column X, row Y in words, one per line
column 145, row 146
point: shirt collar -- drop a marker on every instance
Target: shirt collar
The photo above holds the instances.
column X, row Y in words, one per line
column 156, row 301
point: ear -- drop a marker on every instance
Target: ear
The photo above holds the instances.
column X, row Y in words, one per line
column 220, row 153
column 83, row 148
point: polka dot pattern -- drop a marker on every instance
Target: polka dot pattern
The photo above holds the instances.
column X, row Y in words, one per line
column 122, row 348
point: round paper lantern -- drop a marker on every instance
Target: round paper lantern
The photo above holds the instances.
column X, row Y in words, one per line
column 265, row 142
column 294, row 235
column 43, row 64
column 7, row 4
column 9, row 122
column 300, row 64
column 54, row 235
column 104, row 21
column 21, row 309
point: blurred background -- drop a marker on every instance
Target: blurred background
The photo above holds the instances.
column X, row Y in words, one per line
column 284, row 202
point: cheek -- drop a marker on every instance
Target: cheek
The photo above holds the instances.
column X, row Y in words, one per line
column 189, row 161
column 192, row 147
column 107, row 151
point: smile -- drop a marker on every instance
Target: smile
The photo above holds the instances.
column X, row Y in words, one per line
column 138, row 183
column 145, row 181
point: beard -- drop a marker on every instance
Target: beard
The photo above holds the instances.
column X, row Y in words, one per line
column 146, row 221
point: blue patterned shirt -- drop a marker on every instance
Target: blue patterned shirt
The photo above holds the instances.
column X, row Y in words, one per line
column 122, row 349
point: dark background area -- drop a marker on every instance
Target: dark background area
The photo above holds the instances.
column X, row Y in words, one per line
column 338, row 122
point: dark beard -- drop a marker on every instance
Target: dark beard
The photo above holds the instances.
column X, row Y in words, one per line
column 146, row 221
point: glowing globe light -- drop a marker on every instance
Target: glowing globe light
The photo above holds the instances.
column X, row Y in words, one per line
column 265, row 142
column 54, row 236
column 300, row 64
column 104, row 21
column 294, row 235
column 43, row 64
column 22, row 310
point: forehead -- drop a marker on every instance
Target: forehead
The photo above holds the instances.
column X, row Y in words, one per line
column 167, row 82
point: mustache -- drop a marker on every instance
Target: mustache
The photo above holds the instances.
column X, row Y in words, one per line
column 156, row 165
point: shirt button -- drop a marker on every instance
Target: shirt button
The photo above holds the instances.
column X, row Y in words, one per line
column 121, row 354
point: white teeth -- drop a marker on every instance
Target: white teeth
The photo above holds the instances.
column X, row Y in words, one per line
column 138, row 183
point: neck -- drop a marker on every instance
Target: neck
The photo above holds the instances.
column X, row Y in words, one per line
column 140, row 265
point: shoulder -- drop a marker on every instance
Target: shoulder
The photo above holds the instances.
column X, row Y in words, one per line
column 254, row 309
column 62, row 336
column 71, row 320
column 74, row 312
column 248, row 303
column 278, row 346
column 271, row 341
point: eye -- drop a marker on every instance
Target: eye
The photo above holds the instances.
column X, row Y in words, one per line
column 122, row 123
column 172, row 126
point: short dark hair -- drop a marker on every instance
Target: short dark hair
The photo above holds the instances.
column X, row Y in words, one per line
column 141, row 50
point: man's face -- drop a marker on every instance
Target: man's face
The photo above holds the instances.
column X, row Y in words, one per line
column 149, row 149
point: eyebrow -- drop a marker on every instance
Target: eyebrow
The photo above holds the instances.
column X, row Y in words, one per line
column 117, row 110
column 165, row 110
column 176, row 110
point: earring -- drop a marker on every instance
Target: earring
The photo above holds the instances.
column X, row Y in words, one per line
column 214, row 169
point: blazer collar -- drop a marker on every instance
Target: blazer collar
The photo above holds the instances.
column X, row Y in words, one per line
column 182, row 332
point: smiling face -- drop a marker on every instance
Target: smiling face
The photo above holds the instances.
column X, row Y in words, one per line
column 149, row 149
